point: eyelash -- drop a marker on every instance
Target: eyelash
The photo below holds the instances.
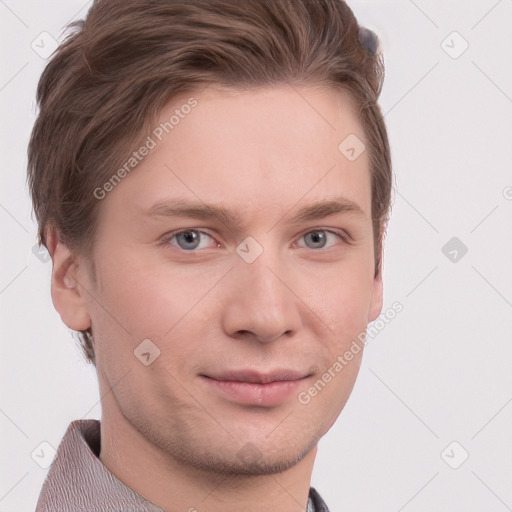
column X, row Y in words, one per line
column 165, row 241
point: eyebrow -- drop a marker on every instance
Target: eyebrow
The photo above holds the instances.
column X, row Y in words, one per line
column 203, row 211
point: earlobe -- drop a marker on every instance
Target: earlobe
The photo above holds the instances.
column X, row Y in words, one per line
column 68, row 295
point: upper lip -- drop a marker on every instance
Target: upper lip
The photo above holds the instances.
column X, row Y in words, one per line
column 258, row 377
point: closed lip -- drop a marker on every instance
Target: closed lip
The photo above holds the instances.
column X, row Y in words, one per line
column 256, row 377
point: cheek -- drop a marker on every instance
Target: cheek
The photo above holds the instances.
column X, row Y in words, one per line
column 341, row 298
column 157, row 300
column 137, row 304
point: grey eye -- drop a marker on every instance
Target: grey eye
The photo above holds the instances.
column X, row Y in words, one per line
column 315, row 239
column 188, row 239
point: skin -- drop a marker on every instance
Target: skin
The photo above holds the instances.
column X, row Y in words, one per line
column 263, row 155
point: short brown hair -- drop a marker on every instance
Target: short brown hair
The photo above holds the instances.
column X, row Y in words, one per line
column 117, row 69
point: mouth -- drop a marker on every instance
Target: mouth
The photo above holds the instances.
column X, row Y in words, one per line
column 249, row 387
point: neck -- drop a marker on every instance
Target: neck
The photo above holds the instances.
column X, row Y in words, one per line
column 173, row 485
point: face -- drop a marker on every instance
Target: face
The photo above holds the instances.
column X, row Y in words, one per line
column 241, row 247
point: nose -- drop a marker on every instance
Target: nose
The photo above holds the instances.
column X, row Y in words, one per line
column 260, row 304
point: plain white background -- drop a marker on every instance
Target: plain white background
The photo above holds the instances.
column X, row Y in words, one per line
column 435, row 385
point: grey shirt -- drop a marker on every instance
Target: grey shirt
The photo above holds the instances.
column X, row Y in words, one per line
column 78, row 481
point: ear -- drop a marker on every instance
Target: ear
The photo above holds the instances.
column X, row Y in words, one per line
column 68, row 295
column 377, row 298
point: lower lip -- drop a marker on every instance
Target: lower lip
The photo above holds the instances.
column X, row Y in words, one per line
column 250, row 393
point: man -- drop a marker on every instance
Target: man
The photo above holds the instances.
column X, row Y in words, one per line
column 212, row 180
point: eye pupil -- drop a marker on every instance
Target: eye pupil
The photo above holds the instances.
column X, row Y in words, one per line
column 316, row 237
column 188, row 237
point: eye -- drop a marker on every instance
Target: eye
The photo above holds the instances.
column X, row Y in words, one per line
column 188, row 239
column 321, row 238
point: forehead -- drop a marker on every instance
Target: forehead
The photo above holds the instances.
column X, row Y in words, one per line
column 263, row 149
